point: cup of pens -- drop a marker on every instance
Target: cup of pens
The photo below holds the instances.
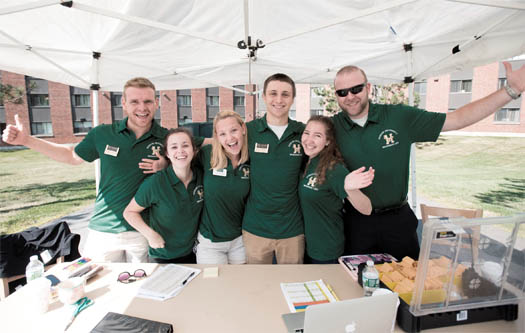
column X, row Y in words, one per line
column 71, row 290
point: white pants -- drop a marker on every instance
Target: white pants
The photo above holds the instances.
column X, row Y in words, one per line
column 217, row 253
column 128, row 246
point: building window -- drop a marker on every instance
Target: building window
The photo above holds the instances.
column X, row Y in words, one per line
column 502, row 82
column 316, row 112
column 461, row 86
column 116, row 106
column 184, row 100
column 82, row 126
column 39, row 99
column 116, row 100
column 238, row 100
column 420, row 88
column 41, row 128
column 82, row 100
column 212, row 100
column 507, row 115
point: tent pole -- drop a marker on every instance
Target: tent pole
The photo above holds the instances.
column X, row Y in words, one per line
column 95, row 89
column 95, row 123
column 412, row 154
column 410, row 80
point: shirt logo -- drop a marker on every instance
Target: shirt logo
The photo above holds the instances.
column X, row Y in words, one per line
column 154, row 147
column 388, row 138
column 295, row 148
column 245, row 171
column 198, row 194
column 311, row 182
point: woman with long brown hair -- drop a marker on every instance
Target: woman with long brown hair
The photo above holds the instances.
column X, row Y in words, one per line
column 325, row 184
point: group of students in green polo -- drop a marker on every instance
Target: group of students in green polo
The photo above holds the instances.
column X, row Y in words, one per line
column 260, row 191
column 271, row 189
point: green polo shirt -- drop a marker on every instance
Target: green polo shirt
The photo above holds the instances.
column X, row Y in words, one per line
column 384, row 143
column 120, row 153
column 273, row 210
column 322, row 210
column 173, row 210
column 225, row 198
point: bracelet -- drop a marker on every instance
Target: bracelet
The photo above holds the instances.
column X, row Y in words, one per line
column 512, row 93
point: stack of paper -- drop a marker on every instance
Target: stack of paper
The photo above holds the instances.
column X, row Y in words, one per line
column 167, row 281
column 300, row 295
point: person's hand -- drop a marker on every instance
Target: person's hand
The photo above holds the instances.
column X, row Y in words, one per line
column 152, row 166
column 15, row 134
column 515, row 78
column 155, row 240
column 359, row 178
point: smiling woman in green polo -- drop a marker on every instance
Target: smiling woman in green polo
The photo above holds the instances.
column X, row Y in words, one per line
column 325, row 183
column 175, row 198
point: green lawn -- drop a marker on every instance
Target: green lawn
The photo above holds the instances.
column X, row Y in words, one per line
column 473, row 172
column 36, row 189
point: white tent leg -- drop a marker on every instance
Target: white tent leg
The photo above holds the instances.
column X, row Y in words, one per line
column 409, row 73
column 95, row 123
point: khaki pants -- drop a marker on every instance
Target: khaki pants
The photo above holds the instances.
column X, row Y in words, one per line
column 260, row 250
column 128, row 246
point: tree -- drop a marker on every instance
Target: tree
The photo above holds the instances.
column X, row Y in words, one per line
column 11, row 94
column 328, row 99
column 395, row 93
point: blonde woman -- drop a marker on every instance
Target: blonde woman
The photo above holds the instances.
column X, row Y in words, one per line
column 227, row 184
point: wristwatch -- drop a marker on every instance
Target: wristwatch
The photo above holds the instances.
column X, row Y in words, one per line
column 512, row 93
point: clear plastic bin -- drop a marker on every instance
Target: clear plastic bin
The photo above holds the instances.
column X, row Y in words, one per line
column 468, row 264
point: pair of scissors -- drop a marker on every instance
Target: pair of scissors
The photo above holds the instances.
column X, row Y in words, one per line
column 81, row 304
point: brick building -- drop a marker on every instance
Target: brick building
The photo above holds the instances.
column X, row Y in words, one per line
column 448, row 92
column 63, row 114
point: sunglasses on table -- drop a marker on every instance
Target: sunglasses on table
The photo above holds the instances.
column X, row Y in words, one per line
column 354, row 90
column 126, row 277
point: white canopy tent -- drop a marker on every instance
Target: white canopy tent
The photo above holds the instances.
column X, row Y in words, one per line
column 178, row 44
column 195, row 43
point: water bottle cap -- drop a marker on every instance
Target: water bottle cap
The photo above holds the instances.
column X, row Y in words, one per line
column 35, row 257
column 370, row 263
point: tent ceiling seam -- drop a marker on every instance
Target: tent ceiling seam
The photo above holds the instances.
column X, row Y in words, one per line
column 519, row 5
column 458, row 48
column 339, row 21
column 150, row 23
column 29, row 6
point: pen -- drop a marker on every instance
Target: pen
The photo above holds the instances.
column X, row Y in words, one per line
column 189, row 276
column 332, row 291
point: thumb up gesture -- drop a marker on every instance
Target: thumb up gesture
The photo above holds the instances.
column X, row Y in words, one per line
column 15, row 134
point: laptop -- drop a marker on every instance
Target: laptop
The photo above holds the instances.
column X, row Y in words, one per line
column 365, row 314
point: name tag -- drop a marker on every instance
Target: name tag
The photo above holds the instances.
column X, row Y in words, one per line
column 220, row 172
column 111, row 151
column 262, row 148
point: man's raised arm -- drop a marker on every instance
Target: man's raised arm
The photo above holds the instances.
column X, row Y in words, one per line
column 18, row 135
column 482, row 108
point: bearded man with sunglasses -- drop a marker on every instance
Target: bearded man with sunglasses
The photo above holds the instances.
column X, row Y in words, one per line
column 380, row 136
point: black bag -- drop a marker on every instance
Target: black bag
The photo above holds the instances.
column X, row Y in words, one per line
column 116, row 322
column 16, row 249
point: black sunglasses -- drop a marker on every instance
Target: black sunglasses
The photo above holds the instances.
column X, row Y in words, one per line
column 126, row 277
column 354, row 90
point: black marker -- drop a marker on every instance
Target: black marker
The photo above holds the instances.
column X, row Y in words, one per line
column 189, row 276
